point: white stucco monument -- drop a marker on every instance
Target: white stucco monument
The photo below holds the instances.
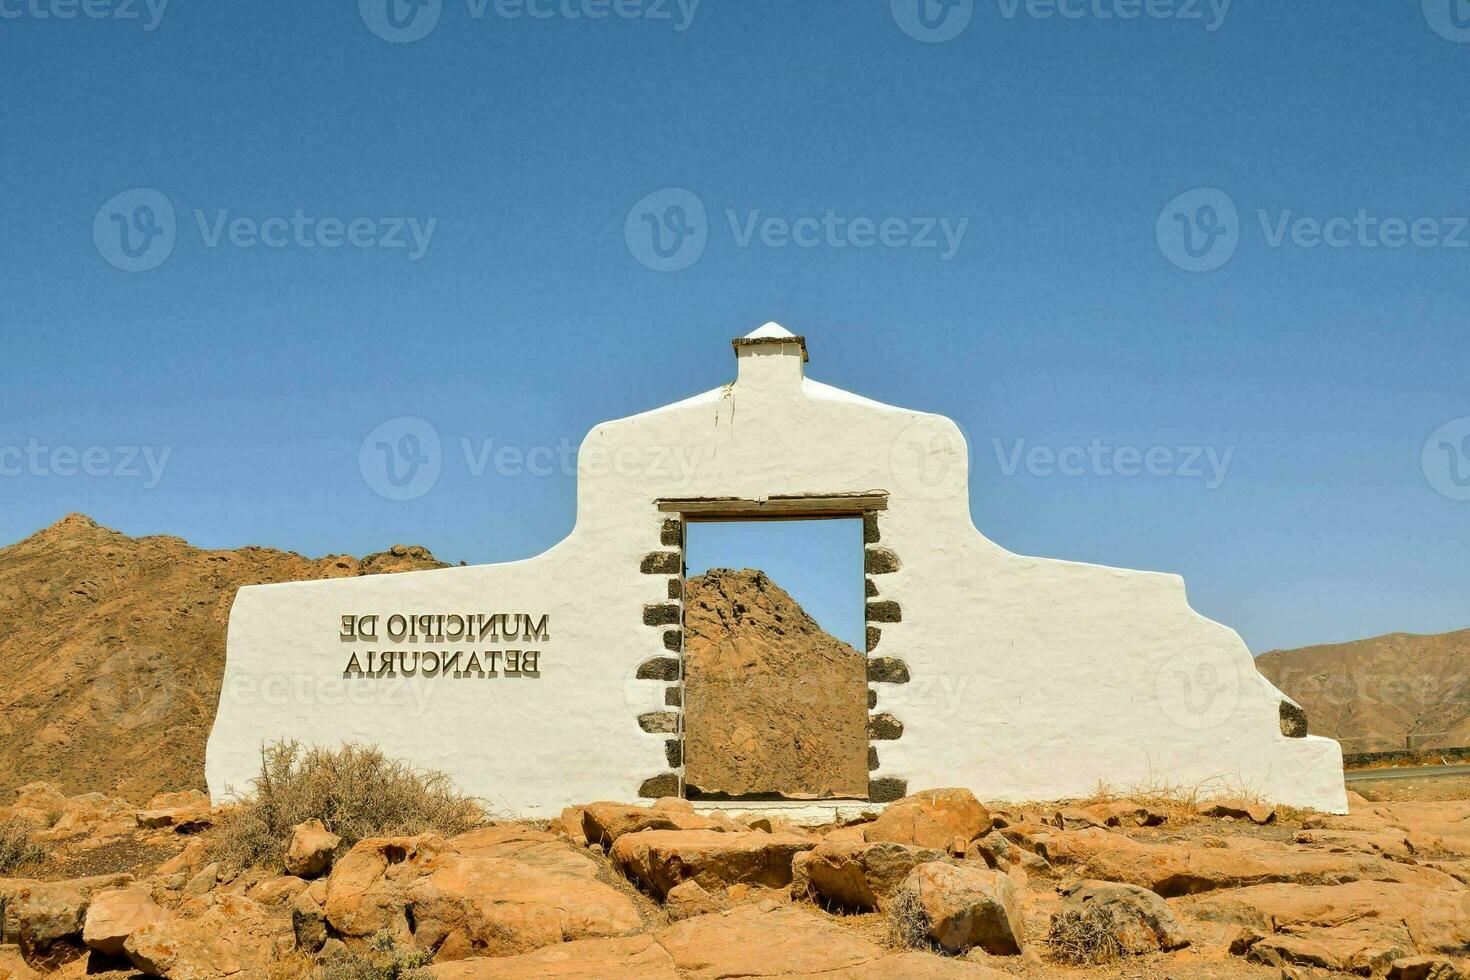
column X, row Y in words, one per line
column 556, row 680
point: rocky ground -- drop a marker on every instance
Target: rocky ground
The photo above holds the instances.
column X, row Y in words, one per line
column 936, row 886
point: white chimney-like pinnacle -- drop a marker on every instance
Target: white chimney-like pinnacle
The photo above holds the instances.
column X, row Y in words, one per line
column 769, row 355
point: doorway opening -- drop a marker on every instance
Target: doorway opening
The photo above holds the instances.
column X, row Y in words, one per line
column 775, row 693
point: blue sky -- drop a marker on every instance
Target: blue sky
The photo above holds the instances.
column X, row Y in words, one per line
column 818, row 563
column 1069, row 149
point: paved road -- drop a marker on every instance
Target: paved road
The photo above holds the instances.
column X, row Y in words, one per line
column 1416, row 772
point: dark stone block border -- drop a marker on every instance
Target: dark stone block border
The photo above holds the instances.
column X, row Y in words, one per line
column 887, row 789
column 662, row 614
column 887, row 670
column 1293, row 720
column 884, row 611
column 670, row 668
column 882, row 726
column 656, row 787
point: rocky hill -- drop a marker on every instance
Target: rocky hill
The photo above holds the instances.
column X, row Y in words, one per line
column 774, row 705
column 113, row 650
column 1387, row 693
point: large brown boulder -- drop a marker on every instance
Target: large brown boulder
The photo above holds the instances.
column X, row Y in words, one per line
column 310, row 850
column 772, row 702
column 50, row 915
column 963, row 907
column 862, row 877
column 604, row 823
column 368, row 887
column 308, row 919
column 936, row 818
column 1142, row 922
column 114, row 914
column 235, row 937
column 189, row 810
column 469, row 905
column 661, row 859
column 462, row 899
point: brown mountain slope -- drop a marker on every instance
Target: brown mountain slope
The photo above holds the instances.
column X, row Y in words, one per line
column 773, row 704
column 113, row 651
column 1387, row 693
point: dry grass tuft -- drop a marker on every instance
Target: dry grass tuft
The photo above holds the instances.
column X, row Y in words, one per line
column 355, row 791
column 17, row 849
column 908, row 926
column 1086, row 938
column 382, row 959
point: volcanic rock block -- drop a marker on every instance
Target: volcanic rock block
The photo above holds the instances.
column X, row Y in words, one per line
column 310, row 850
column 1144, row 922
column 114, row 914
column 661, row 859
column 964, row 907
column 932, row 818
column 862, row 877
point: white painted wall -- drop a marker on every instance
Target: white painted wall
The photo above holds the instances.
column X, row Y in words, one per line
column 1032, row 678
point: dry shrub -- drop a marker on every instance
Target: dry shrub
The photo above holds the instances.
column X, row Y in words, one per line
column 382, row 959
column 355, row 791
column 908, row 926
column 1085, row 938
column 17, row 849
